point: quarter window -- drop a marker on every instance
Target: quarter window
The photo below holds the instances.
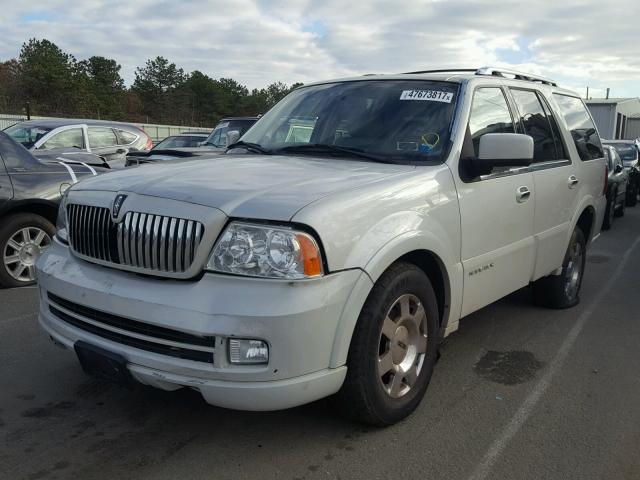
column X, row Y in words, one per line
column 66, row 139
column 489, row 114
column 583, row 131
column 100, row 137
column 125, row 138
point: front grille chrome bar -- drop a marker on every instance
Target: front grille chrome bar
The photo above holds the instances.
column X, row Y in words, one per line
column 142, row 240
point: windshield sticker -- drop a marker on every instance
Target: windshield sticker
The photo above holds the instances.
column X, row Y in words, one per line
column 429, row 141
column 428, row 95
column 222, row 125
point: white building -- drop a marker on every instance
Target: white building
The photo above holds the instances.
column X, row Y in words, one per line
column 616, row 118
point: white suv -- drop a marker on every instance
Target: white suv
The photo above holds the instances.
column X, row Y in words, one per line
column 331, row 250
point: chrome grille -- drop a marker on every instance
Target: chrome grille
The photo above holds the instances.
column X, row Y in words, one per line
column 141, row 240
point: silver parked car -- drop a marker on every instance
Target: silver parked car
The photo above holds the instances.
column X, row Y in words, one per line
column 111, row 140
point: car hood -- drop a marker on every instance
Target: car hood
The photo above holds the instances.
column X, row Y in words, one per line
column 248, row 186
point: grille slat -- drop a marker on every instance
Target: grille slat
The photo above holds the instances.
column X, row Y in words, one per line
column 142, row 240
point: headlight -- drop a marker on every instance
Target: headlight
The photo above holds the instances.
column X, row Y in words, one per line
column 61, row 221
column 266, row 251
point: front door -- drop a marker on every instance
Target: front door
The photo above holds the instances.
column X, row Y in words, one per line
column 496, row 210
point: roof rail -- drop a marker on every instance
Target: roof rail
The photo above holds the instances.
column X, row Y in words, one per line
column 444, row 70
column 495, row 72
column 503, row 72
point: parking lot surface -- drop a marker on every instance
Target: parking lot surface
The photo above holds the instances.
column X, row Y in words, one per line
column 520, row 392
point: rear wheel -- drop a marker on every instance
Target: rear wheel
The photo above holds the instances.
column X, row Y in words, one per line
column 393, row 349
column 23, row 237
column 562, row 291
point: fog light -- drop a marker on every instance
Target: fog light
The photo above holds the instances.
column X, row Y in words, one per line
column 247, row 351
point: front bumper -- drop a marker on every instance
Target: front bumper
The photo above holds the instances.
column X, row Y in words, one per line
column 298, row 320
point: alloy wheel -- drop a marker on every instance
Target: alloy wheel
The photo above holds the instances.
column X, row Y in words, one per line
column 573, row 275
column 22, row 251
column 402, row 346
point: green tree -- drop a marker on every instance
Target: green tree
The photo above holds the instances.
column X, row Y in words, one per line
column 48, row 77
column 104, row 84
column 155, row 84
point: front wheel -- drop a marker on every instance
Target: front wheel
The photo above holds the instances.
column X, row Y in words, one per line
column 562, row 291
column 23, row 236
column 393, row 349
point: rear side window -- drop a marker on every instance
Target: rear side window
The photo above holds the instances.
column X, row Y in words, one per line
column 536, row 123
column 489, row 114
column 583, row 131
column 101, row 137
column 125, row 138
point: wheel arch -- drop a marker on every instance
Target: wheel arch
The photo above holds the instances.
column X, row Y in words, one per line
column 44, row 208
column 437, row 263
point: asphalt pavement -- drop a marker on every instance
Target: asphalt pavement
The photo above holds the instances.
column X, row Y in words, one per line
column 520, row 392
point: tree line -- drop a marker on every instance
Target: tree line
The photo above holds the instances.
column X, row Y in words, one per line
column 55, row 83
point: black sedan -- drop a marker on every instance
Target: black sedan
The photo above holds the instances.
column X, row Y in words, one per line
column 30, row 191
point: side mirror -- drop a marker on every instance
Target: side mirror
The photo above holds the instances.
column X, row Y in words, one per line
column 618, row 168
column 503, row 150
column 232, row 137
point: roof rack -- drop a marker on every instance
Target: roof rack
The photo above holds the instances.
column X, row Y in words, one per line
column 494, row 72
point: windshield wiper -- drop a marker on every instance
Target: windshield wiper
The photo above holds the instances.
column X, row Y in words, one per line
column 334, row 149
column 252, row 147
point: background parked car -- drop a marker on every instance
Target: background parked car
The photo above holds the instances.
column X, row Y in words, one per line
column 30, row 190
column 184, row 142
column 215, row 144
column 111, row 140
column 617, row 186
column 218, row 137
column 629, row 151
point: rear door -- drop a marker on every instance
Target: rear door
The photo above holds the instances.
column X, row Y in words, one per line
column 554, row 176
column 104, row 142
column 496, row 212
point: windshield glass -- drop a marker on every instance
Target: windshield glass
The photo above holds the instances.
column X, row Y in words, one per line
column 27, row 136
column 627, row 152
column 182, row 141
column 398, row 120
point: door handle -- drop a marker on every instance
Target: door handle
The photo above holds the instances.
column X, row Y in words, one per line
column 573, row 181
column 522, row 194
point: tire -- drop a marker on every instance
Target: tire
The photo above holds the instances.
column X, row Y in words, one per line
column 18, row 253
column 632, row 198
column 369, row 394
column 610, row 211
column 563, row 291
column 620, row 210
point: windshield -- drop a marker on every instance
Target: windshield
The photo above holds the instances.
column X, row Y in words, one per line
column 397, row 120
column 182, row 141
column 27, row 136
column 627, row 152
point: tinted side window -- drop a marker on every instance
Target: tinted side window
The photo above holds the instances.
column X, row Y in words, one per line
column 583, row 131
column 125, row 138
column 101, row 137
column 536, row 124
column 489, row 114
column 66, row 139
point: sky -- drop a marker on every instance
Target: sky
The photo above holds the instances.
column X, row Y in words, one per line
column 577, row 43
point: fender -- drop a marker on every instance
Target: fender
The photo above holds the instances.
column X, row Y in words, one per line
column 394, row 249
column 587, row 201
